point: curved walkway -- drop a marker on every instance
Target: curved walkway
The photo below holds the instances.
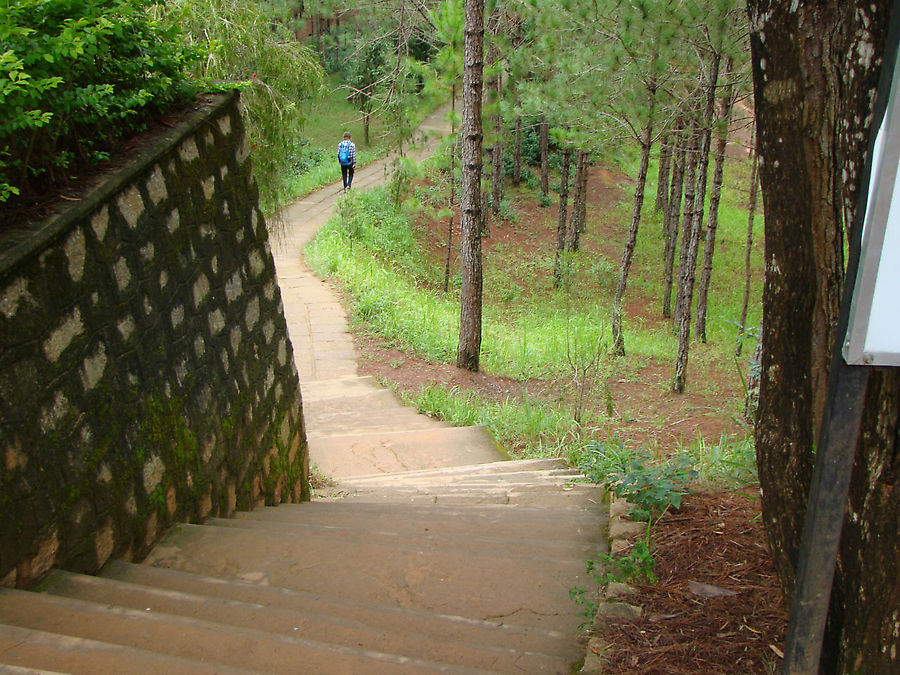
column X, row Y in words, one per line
column 355, row 427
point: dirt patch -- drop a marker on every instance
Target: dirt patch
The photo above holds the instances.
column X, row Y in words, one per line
column 715, row 539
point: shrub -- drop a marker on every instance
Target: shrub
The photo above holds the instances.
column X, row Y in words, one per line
column 75, row 75
column 250, row 43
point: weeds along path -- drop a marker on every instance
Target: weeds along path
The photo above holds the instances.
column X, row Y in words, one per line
column 354, row 426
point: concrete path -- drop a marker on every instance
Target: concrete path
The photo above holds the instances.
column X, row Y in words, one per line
column 354, row 426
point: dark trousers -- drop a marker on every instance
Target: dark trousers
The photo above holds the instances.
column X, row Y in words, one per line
column 347, row 175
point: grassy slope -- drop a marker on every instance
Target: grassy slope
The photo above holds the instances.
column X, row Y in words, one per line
column 539, row 336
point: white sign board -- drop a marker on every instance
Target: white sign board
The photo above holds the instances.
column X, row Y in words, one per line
column 873, row 335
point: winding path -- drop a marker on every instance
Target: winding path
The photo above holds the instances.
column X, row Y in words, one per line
column 354, row 426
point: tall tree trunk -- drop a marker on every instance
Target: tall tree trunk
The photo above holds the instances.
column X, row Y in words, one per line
column 582, row 187
column 725, row 104
column 517, row 153
column 494, row 88
column 628, row 254
column 815, row 69
column 545, row 157
column 498, row 173
column 573, row 231
column 662, row 175
column 672, row 219
column 686, row 277
column 452, row 187
column 469, row 349
column 751, row 213
column 563, row 215
column 690, row 191
column 450, row 223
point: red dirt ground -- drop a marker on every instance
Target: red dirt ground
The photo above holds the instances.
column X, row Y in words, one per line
column 715, row 538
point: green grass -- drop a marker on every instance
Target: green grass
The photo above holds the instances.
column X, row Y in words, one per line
column 530, row 428
column 531, row 330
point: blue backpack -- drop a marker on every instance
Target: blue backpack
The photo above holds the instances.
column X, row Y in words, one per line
column 344, row 153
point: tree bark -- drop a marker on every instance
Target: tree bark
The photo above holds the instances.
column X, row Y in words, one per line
column 498, row 173
column 628, row 254
column 582, row 186
column 686, row 276
column 573, row 231
column 712, row 223
column 815, row 70
column 545, row 156
column 450, row 222
column 469, row 348
column 748, row 249
column 517, row 153
column 690, row 189
column 672, row 220
column 662, row 176
column 452, row 188
column 563, row 215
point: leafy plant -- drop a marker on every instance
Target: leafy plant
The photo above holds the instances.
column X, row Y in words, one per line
column 75, row 75
column 251, row 43
column 654, row 488
column 650, row 487
column 634, row 566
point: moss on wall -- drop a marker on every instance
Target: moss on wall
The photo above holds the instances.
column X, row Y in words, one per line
column 146, row 375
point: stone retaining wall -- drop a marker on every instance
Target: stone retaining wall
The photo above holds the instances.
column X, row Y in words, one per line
column 146, row 375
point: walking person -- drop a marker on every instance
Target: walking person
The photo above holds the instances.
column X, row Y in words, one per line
column 347, row 159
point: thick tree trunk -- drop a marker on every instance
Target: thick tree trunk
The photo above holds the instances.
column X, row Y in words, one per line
column 662, row 176
column 712, row 223
column 672, row 220
column 815, row 69
column 517, row 153
column 687, row 274
column 545, row 157
column 469, row 349
column 573, row 231
column 748, row 249
column 628, row 254
column 563, row 215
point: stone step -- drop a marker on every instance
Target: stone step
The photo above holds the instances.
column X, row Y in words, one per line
column 433, row 579
column 546, row 495
column 196, row 639
column 562, row 478
column 359, row 454
column 323, row 390
column 488, row 468
column 410, row 641
column 354, row 421
column 514, row 543
column 375, row 401
column 460, row 521
column 451, row 628
column 24, row 650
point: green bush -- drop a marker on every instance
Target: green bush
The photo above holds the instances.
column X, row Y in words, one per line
column 250, row 43
column 75, row 75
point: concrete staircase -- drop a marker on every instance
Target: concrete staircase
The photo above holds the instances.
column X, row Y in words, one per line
column 456, row 570
column 430, row 553
column 356, row 427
